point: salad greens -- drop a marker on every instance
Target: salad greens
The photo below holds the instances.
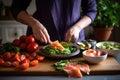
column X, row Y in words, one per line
column 69, row 48
column 110, row 46
column 9, row 47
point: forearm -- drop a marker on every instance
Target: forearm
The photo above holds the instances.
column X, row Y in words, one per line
column 27, row 19
column 83, row 22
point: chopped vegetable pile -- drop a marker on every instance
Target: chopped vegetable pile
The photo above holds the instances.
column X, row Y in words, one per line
column 110, row 46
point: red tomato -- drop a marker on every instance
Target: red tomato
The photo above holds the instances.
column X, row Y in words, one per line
column 16, row 42
column 32, row 47
column 7, row 55
column 15, row 63
column 8, row 64
column 30, row 39
column 23, row 38
column 22, row 57
column 24, row 66
column 23, row 46
column 40, row 58
column 17, row 57
column 26, row 61
column 1, row 61
column 34, row 62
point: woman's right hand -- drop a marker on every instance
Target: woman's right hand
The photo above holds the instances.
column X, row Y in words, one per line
column 40, row 33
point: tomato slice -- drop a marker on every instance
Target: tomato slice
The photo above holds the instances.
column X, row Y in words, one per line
column 1, row 62
column 40, row 58
column 34, row 62
column 24, row 66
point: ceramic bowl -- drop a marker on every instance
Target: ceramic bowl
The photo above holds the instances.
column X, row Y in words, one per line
column 95, row 59
column 113, row 48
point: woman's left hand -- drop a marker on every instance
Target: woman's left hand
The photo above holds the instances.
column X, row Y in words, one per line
column 72, row 34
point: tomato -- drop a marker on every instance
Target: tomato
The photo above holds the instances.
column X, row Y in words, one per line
column 17, row 57
column 34, row 54
column 32, row 47
column 23, row 46
column 22, row 57
column 16, row 42
column 40, row 58
column 8, row 64
column 26, row 61
column 7, row 55
column 24, row 66
column 30, row 39
column 22, row 38
column 34, row 62
column 1, row 61
column 15, row 63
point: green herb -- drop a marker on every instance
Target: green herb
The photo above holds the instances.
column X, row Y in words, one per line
column 59, row 65
column 9, row 47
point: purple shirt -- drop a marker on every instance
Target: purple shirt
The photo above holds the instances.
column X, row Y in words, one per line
column 58, row 15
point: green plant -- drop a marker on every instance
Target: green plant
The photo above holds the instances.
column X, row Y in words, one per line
column 108, row 14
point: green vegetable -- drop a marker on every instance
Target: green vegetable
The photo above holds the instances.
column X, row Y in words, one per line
column 54, row 51
column 110, row 46
column 9, row 47
column 59, row 65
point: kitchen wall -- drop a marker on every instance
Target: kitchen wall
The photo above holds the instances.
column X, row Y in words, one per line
column 31, row 9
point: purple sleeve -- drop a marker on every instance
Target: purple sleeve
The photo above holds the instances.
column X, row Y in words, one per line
column 89, row 8
column 19, row 5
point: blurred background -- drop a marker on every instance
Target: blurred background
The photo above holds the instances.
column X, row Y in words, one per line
column 11, row 29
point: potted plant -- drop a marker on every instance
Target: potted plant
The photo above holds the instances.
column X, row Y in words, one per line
column 107, row 18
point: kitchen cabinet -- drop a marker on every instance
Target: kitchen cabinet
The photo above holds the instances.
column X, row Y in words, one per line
column 11, row 29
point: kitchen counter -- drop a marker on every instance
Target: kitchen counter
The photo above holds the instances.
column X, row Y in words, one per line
column 85, row 77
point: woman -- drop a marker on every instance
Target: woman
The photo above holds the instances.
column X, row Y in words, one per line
column 56, row 19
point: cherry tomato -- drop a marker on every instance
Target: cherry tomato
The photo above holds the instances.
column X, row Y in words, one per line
column 8, row 64
column 26, row 61
column 1, row 62
column 7, row 55
column 16, row 42
column 22, row 57
column 30, row 39
column 32, row 47
column 15, row 63
column 23, row 38
column 23, row 46
column 34, row 62
column 24, row 66
column 17, row 57
column 40, row 58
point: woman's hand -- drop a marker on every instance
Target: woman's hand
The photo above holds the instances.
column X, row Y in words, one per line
column 40, row 33
column 73, row 34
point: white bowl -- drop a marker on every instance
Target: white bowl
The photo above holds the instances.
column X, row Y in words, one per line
column 111, row 52
column 95, row 59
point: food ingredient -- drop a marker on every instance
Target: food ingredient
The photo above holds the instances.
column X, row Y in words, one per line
column 72, row 68
column 93, row 53
column 55, row 51
column 110, row 46
column 19, row 60
column 26, row 43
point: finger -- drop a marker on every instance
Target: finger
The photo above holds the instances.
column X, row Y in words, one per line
column 43, row 37
column 47, row 36
column 68, row 37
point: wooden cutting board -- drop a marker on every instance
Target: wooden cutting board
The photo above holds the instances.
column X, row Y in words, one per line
column 109, row 66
